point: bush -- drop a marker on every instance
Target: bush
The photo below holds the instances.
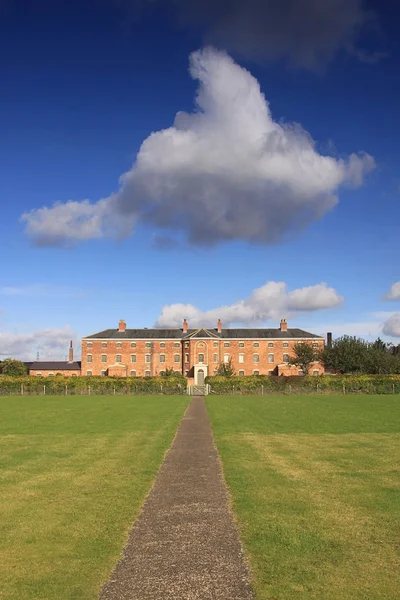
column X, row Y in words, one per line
column 267, row 384
column 92, row 385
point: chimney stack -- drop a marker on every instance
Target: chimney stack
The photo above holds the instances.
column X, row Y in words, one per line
column 283, row 326
column 121, row 325
column 219, row 326
column 70, row 353
column 329, row 339
column 185, row 326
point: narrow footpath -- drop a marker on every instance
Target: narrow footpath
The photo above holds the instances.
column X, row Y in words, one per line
column 184, row 544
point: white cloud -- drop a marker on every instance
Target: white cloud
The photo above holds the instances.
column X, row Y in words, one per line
column 391, row 327
column 394, row 292
column 270, row 301
column 227, row 171
column 52, row 344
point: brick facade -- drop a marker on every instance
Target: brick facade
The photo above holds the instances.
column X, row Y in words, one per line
column 123, row 352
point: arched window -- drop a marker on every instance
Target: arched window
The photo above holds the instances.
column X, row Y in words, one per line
column 286, row 358
column 89, row 373
column 256, row 372
column 241, row 373
column 256, row 358
column 271, row 358
column 147, row 373
column 133, row 373
column 316, row 372
column 162, row 358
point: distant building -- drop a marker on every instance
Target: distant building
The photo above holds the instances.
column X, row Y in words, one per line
column 194, row 353
column 68, row 368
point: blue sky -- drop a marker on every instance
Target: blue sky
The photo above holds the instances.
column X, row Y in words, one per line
column 198, row 225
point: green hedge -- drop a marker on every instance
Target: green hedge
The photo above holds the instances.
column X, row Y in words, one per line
column 266, row 384
column 91, row 385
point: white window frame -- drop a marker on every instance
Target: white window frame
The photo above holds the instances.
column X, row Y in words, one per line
column 147, row 358
column 226, row 358
column 133, row 358
column 89, row 358
column 270, row 344
column 104, row 344
column 285, row 345
column 285, row 357
column 118, row 345
column 133, row 344
column 227, row 344
column 90, row 344
column 103, row 372
column 256, row 358
column 256, row 372
column 215, row 357
column 186, row 358
column 103, row 358
column 241, row 344
column 89, row 373
column 271, row 358
column 133, row 373
column 147, row 373
column 241, row 358
column 177, row 358
column 241, row 373
column 118, row 358
column 201, row 360
column 162, row 344
column 256, row 345
column 162, row 358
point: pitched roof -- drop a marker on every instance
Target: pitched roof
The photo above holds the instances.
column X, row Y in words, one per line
column 178, row 334
column 54, row 365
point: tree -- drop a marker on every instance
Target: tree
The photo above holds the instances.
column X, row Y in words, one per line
column 303, row 356
column 13, row 368
column 226, row 369
column 168, row 373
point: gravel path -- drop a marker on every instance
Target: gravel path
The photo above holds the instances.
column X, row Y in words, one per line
column 184, row 544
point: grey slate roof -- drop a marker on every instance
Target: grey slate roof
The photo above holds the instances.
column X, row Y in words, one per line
column 54, row 365
column 234, row 333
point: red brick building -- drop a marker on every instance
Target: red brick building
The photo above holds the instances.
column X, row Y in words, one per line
column 68, row 368
column 195, row 353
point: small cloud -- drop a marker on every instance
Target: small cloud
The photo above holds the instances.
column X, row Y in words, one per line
column 394, row 292
column 270, row 301
column 52, row 344
column 40, row 290
column 392, row 326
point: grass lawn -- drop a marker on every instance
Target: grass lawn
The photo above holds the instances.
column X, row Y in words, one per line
column 315, row 485
column 74, row 474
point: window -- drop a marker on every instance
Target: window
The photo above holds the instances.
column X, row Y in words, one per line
column 133, row 358
column 104, row 358
column 270, row 372
column 241, row 358
column 256, row 345
column 285, row 358
column 162, row 358
column 256, row 372
column 162, row 344
column 226, row 344
column 241, row 344
column 147, row 358
column 147, row 373
column 103, row 373
column 148, row 344
column 271, row 358
column 104, row 344
column 186, row 373
column 300, row 373
column 177, row 358
column 89, row 373
column 133, row 373
column 270, row 344
column 74, row 375
column 38, row 374
column 285, row 344
column 118, row 345
column 186, row 344
column 89, row 344
column 118, row 358
column 215, row 358
column 256, row 358
column 226, row 358
column 241, row 373
column 201, row 358
column 315, row 345
column 176, row 345
column 186, row 358
column 133, row 344
column 89, row 358
column 215, row 344
column 50, row 375
column 316, row 372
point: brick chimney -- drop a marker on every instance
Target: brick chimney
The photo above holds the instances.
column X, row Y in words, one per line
column 185, row 326
column 283, row 325
column 70, row 353
column 329, row 339
column 219, row 326
column 121, row 325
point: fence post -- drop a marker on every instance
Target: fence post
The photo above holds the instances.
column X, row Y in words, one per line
column 317, row 388
column 66, row 390
column 290, row 389
column 393, row 388
column 44, row 389
column 262, row 390
column 22, row 389
column 89, row 389
column 114, row 390
column 344, row 389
